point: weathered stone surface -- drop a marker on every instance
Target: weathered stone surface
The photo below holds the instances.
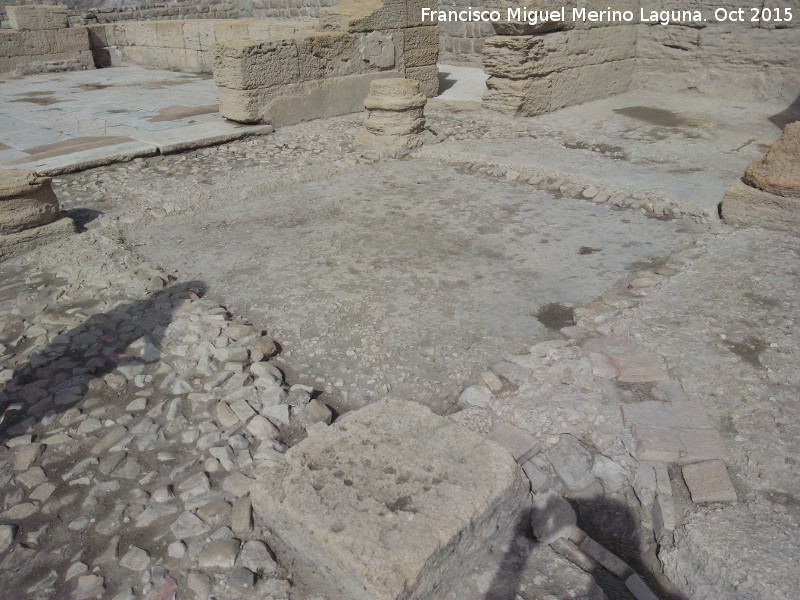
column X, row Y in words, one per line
column 416, row 498
column 709, row 482
column 219, row 554
column 777, row 172
column 521, row 444
column 395, row 122
column 37, row 17
column 26, row 201
column 745, row 205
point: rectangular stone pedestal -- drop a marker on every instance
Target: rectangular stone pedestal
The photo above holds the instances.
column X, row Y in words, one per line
column 392, row 502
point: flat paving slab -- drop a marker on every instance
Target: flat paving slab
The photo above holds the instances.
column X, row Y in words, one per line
column 404, row 278
column 58, row 123
column 393, row 502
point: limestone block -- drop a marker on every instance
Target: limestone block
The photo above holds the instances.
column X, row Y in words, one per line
column 379, row 49
column 169, row 34
column 141, row 34
column 26, row 201
column 14, row 244
column 709, row 482
column 230, row 31
column 428, row 77
column 241, row 106
column 391, row 502
column 745, row 205
column 779, row 171
column 318, row 99
column 539, row 95
column 324, row 55
column 421, row 46
column 248, row 65
column 521, row 57
column 36, row 17
column 414, row 11
column 365, row 15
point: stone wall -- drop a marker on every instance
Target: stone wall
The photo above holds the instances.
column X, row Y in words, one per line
column 747, row 61
column 38, row 51
column 328, row 72
column 541, row 68
column 180, row 45
column 462, row 42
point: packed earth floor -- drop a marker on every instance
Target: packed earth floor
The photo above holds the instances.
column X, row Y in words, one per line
column 565, row 274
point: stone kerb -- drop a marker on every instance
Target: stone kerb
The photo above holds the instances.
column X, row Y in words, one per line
column 769, row 193
column 392, row 502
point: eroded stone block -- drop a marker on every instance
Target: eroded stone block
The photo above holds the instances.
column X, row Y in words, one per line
column 392, row 502
column 26, row 201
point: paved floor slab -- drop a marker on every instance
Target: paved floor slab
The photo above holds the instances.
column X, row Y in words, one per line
column 57, row 123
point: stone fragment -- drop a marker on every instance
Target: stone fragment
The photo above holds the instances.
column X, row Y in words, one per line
column 242, row 515
column 164, row 591
column 638, row 588
column 89, row 586
column 516, row 441
column 552, row 517
column 219, row 554
column 262, row 429
column 709, row 482
column 540, row 481
column 242, row 409
column 176, row 549
column 241, row 579
column 200, row 584
column 135, row 559
column 19, row 512
column 7, row 533
column 395, row 120
column 109, row 440
column 777, row 171
column 658, row 444
column 74, row 570
column 572, row 553
column 237, row 484
column 610, row 561
column 256, row 557
column 572, row 463
column 745, row 205
column 225, row 416
column 476, row 395
column 313, row 412
column 26, row 201
column 25, row 456
column 32, row 477
column 371, row 501
column 188, row 525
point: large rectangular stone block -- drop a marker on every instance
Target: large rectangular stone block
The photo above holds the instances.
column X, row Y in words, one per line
column 29, row 17
column 324, row 55
column 169, row 34
column 428, row 77
column 392, row 502
column 521, row 57
column 421, row 46
column 251, row 65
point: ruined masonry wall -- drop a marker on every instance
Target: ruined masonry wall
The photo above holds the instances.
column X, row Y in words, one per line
column 183, row 46
column 743, row 61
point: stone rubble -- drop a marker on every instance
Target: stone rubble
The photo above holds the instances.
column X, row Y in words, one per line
column 132, row 415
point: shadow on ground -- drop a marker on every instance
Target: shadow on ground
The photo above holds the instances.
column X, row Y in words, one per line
column 609, row 523
column 60, row 374
column 790, row 115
